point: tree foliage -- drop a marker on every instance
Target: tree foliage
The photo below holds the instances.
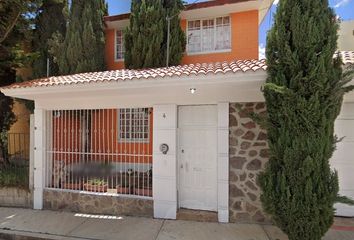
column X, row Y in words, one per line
column 16, row 18
column 304, row 93
column 82, row 48
column 51, row 18
column 146, row 37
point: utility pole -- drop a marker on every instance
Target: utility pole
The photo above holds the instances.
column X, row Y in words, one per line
column 168, row 40
column 168, row 19
column 48, row 67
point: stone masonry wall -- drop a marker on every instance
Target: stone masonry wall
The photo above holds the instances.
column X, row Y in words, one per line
column 15, row 197
column 248, row 156
column 97, row 203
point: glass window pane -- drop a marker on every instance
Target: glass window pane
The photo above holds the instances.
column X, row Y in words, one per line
column 223, row 34
column 134, row 124
column 226, row 20
column 194, row 36
column 119, row 45
column 208, row 35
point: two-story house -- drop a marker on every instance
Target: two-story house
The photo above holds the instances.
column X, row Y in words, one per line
column 216, row 31
column 165, row 142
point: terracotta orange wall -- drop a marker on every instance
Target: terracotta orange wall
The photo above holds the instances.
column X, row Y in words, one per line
column 101, row 139
column 108, row 142
column 66, row 141
column 244, row 37
column 111, row 63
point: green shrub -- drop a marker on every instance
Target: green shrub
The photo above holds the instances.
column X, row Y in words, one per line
column 14, row 176
column 96, row 182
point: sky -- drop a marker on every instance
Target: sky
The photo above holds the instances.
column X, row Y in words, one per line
column 343, row 8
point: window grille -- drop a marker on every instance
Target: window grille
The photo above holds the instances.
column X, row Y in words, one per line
column 106, row 151
column 134, row 124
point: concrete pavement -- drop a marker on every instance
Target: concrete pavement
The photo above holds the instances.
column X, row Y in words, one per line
column 25, row 224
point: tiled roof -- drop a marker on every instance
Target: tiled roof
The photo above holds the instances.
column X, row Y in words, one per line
column 240, row 66
column 200, row 69
column 188, row 7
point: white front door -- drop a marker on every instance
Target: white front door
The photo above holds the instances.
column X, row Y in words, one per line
column 343, row 158
column 197, row 157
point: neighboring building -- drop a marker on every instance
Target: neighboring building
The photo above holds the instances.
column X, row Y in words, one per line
column 154, row 141
column 346, row 36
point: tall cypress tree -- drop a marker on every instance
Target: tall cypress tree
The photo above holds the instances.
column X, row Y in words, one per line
column 146, row 37
column 51, row 18
column 82, row 49
column 304, row 92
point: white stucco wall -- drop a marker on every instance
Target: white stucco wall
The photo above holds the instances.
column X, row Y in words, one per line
column 346, row 36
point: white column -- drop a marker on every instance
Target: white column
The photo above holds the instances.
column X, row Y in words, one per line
column 223, row 162
column 31, row 163
column 39, row 157
column 164, row 165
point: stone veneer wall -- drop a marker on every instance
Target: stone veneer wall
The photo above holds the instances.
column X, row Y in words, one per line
column 248, row 155
column 97, row 203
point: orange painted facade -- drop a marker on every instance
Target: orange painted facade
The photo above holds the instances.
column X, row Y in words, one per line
column 244, row 42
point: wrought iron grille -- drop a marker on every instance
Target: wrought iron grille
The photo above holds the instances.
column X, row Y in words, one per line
column 100, row 150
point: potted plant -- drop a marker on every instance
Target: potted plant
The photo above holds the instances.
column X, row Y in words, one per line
column 74, row 183
column 96, row 185
column 146, row 191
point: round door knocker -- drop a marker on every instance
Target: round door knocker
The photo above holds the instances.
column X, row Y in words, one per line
column 164, row 148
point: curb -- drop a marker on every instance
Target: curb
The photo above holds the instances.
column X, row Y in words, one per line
column 23, row 235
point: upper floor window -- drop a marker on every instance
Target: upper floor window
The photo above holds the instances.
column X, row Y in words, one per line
column 209, row 35
column 119, row 45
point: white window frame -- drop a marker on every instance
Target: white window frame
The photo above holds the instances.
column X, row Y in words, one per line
column 130, row 139
column 201, row 34
column 115, row 46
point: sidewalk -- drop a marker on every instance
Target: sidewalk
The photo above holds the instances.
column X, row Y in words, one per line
column 26, row 224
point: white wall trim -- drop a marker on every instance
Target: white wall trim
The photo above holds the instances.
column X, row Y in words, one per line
column 164, row 165
column 39, row 157
column 97, row 87
column 223, row 162
column 31, row 151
